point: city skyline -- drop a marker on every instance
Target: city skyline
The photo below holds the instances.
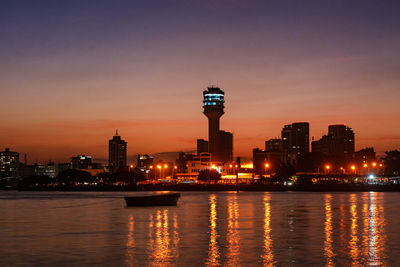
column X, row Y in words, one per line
column 65, row 91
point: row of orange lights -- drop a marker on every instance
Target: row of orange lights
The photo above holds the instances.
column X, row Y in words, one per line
column 353, row 167
column 158, row 166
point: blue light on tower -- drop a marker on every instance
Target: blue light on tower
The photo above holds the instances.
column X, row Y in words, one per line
column 213, row 104
column 213, row 99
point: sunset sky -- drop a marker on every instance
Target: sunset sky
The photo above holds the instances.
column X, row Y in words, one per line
column 71, row 72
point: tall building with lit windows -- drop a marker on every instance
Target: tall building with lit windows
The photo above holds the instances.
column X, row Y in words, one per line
column 295, row 141
column 9, row 162
column 220, row 143
column 116, row 153
column 338, row 142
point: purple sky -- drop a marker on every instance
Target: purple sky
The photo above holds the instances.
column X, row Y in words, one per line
column 71, row 72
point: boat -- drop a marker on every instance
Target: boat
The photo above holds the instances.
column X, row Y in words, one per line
column 169, row 199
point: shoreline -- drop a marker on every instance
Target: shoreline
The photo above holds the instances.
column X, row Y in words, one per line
column 218, row 187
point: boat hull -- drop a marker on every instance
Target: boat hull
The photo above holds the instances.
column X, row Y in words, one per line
column 153, row 200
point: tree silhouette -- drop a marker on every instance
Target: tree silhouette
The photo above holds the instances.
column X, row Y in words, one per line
column 208, row 175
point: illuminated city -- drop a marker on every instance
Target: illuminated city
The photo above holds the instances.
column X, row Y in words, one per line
column 199, row 133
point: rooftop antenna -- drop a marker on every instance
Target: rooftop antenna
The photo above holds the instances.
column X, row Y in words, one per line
column 116, row 132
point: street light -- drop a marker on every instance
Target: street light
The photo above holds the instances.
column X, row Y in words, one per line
column 160, row 168
column 374, row 164
column 354, row 169
column 266, row 167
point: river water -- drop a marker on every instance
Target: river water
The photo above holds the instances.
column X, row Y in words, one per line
column 206, row 228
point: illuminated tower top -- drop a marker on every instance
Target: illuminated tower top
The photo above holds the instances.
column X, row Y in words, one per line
column 213, row 100
column 213, row 104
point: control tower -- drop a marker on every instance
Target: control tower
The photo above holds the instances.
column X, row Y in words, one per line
column 213, row 105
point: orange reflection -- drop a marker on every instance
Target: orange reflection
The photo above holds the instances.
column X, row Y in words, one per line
column 164, row 250
column 328, row 248
column 353, row 243
column 377, row 229
column 130, row 244
column 365, row 229
column 268, row 256
column 213, row 250
column 233, row 234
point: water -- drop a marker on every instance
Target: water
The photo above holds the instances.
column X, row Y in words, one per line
column 207, row 228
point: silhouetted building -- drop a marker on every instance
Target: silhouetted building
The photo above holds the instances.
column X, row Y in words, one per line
column 116, row 153
column 183, row 158
column 81, row 162
column 213, row 104
column 225, row 146
column 48, row 169
column 259, row 160
column 365, row 155
column 295, row 141
column 144, row 161
column 200, row 162
column 338, row 142
column 202, row 146
column 9, row 162
column 274, row 145
column 267, row 161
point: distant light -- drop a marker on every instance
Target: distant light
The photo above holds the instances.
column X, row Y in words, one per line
column 353, row 167
column 159, row 166
column 230, row 166
column 165, row 166
column 213, row 166
column 266, row 165
column 365, row 165
column 151, row 167
column 374, row 164
column 371, row 176
column 327, row 167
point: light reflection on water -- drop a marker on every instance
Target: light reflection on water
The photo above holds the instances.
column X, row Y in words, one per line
column 213, row 248
column 268, row 255
column 328, row 248
column 213, row 229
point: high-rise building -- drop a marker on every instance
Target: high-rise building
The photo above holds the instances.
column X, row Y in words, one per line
column 81, row 162
column 202, row 146
column 213, row 104
column 225, row 146
column 295, row 141
column 273, row 145
column 116, row 153
column 9, row 162
column 338, row 142
column 144, row 161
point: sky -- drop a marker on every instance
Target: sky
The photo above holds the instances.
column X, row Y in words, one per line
column 71, row 72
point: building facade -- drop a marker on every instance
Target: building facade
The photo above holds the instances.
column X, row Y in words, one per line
column 116, row 153
column 81, row 162
column 202, row 146
column 339, row 142
column 295, row 141
column 225, row 146
column 9, row 162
